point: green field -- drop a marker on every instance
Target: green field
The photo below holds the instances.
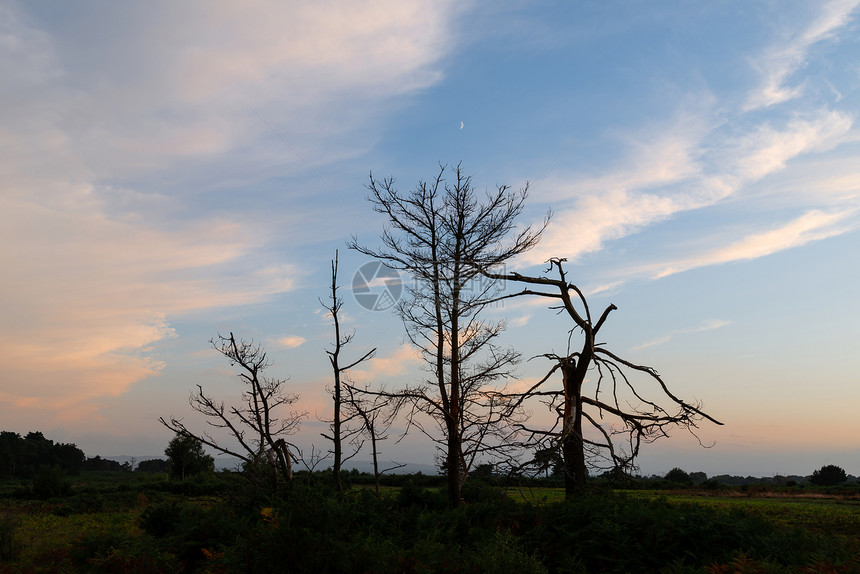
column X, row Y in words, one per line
column 828, row 514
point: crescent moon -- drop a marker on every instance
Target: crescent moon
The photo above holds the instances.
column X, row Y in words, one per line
column 461, row 125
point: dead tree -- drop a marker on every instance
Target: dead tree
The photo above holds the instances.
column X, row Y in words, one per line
column 434, row 233
column 339, row 432
column 611, row 395
column 377, row 416
column 257, row 426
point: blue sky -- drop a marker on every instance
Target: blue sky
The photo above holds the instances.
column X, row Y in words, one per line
column 174, row 171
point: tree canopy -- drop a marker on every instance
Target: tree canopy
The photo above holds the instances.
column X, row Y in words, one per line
column 829, row 475
column 186, row 457
column 21, row 457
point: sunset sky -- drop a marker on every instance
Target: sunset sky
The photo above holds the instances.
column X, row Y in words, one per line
column 171, row 171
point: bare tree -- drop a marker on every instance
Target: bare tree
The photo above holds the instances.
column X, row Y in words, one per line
column 312, row 460
column 339, row 432
column 435, row 233
column 611, row 395
column 377, row 416
column 257, row 427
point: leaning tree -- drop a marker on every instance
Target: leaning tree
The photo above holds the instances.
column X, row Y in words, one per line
column 613, row 404
column 434, row 234
column 258, row 427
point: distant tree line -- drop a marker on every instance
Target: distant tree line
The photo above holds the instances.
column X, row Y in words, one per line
column 98, row 463
column 21, row 457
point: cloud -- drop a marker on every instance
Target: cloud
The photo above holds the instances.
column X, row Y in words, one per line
column 778, row 63
column 130, row 135
column 598, row 209
column 706, row 326
column 398, row 363
column 704, row 155
column 290, row 341
column 767, row 150
column 520, row 321
column 812, row 226
column 646, row 195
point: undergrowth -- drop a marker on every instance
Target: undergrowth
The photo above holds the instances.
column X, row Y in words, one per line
column 311, row 528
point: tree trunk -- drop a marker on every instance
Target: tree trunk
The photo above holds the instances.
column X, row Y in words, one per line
column 453, row 462
column 572, row 445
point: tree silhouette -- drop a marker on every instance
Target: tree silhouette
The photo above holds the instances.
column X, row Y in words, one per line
column 434, row 234
column 340, row 417
column 828, row 475
column 610, row 396
column 186, row 457
column 258, row 426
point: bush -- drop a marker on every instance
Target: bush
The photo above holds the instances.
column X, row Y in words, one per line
column 411, row 495
column 479, row 490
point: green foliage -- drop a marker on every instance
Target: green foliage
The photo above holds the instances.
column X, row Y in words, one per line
column 98, row 463
column 121, row 522
column 9, row 543
column 479, row 490
column 828, row 475
column 50, row 482
column 505, row 554
column 186, row 457
column 411, row 495
column 153, row 465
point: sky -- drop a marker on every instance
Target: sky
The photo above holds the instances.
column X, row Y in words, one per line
column 172, row 171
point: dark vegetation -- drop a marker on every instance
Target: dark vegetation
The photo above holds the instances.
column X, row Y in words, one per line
column 214, row 522
column 22, row 457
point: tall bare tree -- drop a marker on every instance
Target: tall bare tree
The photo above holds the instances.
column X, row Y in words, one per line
column 435, row 233
column 339, row 432
column 258, row 426
column 611, row 395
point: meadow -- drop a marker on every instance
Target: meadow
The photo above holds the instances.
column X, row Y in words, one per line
column 141, row 522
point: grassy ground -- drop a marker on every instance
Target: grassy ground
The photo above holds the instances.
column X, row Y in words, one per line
column 98, row 526
column 816, row 511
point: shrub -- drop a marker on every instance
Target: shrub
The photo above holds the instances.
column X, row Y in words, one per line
column 49, row 482
column 9, row 543
column 411, row 495
column 504, row 554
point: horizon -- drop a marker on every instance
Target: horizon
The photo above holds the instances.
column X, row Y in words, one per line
column 172, row 172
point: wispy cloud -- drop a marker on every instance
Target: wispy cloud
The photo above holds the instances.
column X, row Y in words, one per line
column 520, row 321
column 778, row 63
column 634, row 201
column 706, row 326
column 592, row 211
column 812, row 226
column 767, row 150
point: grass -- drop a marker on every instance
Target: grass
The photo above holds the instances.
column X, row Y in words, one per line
column 825, row 514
